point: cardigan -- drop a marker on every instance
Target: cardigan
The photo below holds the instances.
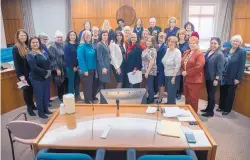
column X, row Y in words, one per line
column 39, row 65
column 86, row 56
column 103, row 61
column 183, row 47
column 172, row 62
column 170, row 32
column 236, row 66
column 70, row 55
column 116, row 55
column 160, row 54
column 214, row 65
column 194, row 67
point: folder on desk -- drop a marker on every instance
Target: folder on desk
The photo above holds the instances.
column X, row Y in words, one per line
column 169, row 128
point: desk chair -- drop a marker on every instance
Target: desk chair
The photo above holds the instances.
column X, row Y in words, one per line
column 190, row 155
column 22, row 131
column 43, row 154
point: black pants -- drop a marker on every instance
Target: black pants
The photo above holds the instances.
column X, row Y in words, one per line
column 211, row 91
column 90, row 88
column 227, row 94
column 28, row 97
column 62, row 89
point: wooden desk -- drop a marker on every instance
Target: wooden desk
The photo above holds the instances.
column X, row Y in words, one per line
column 131, row 128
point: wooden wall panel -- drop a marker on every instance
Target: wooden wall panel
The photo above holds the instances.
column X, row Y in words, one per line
column 98, row 10
column 12, row 18
column 241, row 19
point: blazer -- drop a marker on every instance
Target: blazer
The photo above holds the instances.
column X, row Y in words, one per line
column 214, row 66
column 236, row 65
column 155, row 28
column 160, row 54
column 116, row 55
column 194, row 67
column 103, row 61
column 133, row 59
column 21, row 64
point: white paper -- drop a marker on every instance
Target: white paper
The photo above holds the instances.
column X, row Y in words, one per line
column 190, row 118
column 151, row 109
column 136, row 78
column 106, row 132
column 176, row 112
column 21, row 84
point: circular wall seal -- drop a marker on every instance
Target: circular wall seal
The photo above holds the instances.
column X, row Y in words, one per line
column 126, row 13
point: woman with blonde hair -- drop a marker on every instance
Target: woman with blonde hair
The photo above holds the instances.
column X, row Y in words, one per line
column 19, row 52
column 127, row 32
column 192, row 66
column 106, row 27
column 172, row 29
column 145, row 35
column 172, row 68
column 235, row 60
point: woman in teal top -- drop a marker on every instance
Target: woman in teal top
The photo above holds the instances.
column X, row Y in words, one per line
column 86, row 56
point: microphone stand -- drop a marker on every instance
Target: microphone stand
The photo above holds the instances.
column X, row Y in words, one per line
column 93, row 112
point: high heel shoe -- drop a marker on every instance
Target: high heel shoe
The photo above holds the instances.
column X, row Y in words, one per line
column 219, row 110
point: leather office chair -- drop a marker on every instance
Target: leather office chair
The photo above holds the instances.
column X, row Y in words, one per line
column 190, row 155
column 43, row 154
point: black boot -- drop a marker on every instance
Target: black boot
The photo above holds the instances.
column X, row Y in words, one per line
column 42, row 115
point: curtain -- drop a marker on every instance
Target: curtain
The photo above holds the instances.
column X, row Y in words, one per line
column 184, row 12
column 68, row 15
column 27, row 15
column 224, row 20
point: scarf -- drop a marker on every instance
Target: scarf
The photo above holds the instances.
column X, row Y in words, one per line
column 130, row 48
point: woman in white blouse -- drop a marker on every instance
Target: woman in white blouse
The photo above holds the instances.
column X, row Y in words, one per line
column 172, row 66
column 117, row 54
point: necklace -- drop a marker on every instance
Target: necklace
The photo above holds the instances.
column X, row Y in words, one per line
column 138, row 30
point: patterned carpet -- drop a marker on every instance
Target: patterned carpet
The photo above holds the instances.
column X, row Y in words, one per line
column 232, row 134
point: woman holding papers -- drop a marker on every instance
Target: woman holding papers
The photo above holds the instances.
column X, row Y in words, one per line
column 192, row 65
column 149, row 67
column 39, row 74
column 86, row 57
column 103, row 59
column 19, row 52
column 117, row 53
column 172, row 66
column 214, row 67
column 133, row 60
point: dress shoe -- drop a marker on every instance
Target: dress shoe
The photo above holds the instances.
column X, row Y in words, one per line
column 204, row 110
column 208, row 114
column 178, row 96
column 42, row 115
column 225, row 113
column 95, row 99
column 219, row 110
column 34, row 108
column 31, row 112
column 47, row 111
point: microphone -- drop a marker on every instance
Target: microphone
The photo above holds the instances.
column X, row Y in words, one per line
column 117, row 104
column 158, row 106
column 117, row 108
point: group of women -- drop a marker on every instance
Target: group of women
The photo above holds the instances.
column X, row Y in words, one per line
column 169, row 59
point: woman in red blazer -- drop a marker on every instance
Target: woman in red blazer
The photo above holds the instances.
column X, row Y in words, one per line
column 192, row 65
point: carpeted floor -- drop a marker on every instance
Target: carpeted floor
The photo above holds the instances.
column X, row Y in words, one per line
column 231, row 132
